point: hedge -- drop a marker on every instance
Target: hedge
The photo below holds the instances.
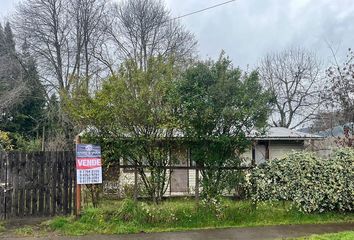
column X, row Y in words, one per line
column 313, row 184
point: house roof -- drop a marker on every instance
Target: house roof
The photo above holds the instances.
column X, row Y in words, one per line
column 337, row 131
column 281, row 133
column 272, row 133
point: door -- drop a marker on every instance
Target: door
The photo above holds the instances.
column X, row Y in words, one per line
column 179, row 177
column 260, row 153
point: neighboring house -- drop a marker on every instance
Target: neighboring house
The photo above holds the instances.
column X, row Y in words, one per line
column 337, row 131
column 332, row 138
column 275, row 143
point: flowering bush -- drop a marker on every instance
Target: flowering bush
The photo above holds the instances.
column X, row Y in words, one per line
column 5, row 141
column 311, row 183
column 213, row 205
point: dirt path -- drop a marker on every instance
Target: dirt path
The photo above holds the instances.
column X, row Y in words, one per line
column 251, row 233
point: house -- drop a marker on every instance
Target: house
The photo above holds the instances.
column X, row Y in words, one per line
column 274, row 143
column 333, row 138
column 337, row 131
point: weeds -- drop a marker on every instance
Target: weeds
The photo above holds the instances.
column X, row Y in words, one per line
column 128, row 216
column 24, row 231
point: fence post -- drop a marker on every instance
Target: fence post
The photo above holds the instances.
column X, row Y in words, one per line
column 254, row 185
column 135, row 182
column 6, row 164
column 78, row 186
column 197, row 184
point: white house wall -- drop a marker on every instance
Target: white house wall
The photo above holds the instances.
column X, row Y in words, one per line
column 281, row 148
column 277, row 149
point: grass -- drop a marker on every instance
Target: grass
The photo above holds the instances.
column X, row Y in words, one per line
column 331, row 236
column 2, row 227
column 114, row 217
column 24, row 231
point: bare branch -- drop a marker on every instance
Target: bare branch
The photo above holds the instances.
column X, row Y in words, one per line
column 141, row 29
column 294, row 78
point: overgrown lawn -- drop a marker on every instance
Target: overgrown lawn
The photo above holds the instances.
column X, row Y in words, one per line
column 127, row 216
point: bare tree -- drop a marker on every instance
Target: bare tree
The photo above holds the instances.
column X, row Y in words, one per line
column 68, row 37
column 88, row 35
column 327, row 119
column 63, row 35
column 294, row 78
column 140, row 29
column 340, row 92
column 45, row 25
column 11, row 97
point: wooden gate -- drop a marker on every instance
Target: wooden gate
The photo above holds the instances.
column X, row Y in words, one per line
column 36, row 184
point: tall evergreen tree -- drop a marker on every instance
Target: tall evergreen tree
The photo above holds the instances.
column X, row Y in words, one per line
column 2, row 59
column 27, row 117
column 9, row 39
column 2, row 41
column 10, row 69
column 9, row 72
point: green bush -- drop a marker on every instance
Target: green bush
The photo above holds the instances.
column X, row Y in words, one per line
column 311, row 183
column 5, row 141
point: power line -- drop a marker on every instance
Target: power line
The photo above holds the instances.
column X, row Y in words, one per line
column 202, row 10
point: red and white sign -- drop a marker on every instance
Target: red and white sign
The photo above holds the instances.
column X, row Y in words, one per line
column 88, row 164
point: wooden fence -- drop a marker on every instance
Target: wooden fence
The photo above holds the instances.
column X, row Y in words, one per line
column 36, row 184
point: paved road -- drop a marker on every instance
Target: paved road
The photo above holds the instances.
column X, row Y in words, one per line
column 252, row 233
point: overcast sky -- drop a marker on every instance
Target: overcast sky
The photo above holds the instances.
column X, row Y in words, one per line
column 248, row 29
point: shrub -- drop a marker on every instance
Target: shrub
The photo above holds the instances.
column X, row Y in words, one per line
column 129, row 210
column 5, row 141
column 312, row 183
column 214, row 206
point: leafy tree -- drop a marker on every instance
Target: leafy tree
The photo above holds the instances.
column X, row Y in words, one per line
column 218, row 105
column 137, row 113
column 132, row 117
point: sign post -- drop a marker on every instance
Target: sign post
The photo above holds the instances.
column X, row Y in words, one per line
column 78, row 186
column 88, row 168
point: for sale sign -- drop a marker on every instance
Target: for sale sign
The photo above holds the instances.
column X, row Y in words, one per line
column 88, row 164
